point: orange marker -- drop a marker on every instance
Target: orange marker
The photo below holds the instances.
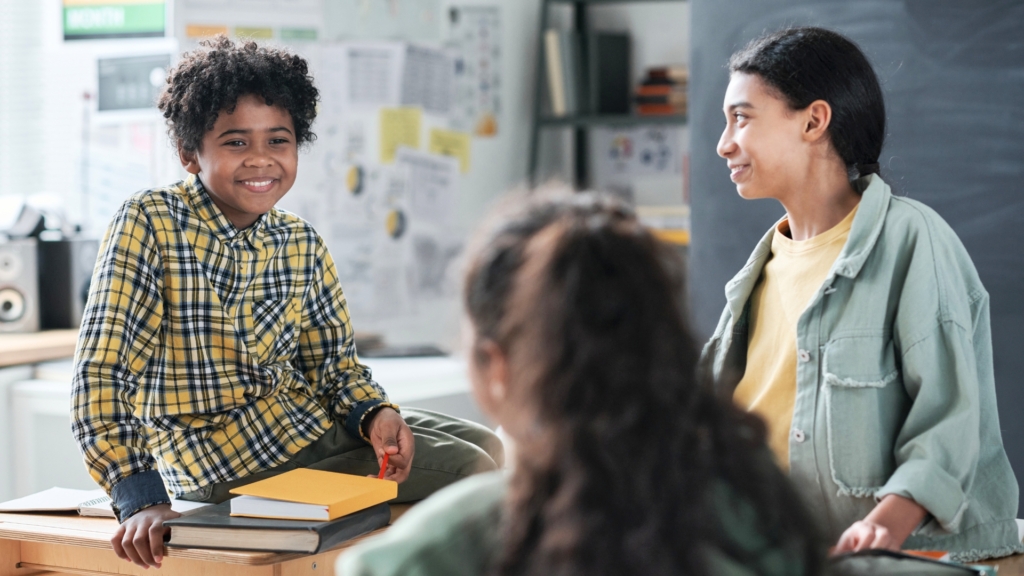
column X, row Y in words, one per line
column 383, row 467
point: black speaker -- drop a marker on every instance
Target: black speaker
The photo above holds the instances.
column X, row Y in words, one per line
column 19, row 292
column 65, row 270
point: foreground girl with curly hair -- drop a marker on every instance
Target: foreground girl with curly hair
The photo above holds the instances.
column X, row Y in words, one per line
column 626, row 462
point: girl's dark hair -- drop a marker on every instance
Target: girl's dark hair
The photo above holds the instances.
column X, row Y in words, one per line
column 808, row 64
column 214, row 76
column 633, row 461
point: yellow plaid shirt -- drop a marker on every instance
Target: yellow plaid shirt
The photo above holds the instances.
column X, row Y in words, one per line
column 207, row 353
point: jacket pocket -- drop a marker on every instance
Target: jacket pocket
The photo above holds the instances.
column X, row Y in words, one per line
column 865, row 406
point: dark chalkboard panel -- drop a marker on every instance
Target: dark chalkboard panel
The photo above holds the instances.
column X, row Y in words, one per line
column 953, row 76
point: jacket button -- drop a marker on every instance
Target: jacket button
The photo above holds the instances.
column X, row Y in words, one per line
column 799, row 435
column 804, row 356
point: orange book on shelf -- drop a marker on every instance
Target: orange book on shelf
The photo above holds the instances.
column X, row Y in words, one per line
column 659, row 110
column 304, row 494
column 659, row 89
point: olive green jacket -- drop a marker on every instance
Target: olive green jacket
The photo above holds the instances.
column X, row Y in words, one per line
column 894, row 391
column 456, row 532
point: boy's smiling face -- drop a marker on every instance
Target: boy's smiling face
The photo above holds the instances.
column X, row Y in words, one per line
column 247, row 162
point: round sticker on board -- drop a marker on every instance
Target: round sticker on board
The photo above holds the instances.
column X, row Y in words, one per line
column 395, row 223
column 354, row 180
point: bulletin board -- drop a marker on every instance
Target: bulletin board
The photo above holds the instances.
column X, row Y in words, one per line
column 407, row 87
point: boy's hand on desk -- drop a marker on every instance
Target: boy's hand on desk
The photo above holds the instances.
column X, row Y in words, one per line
column 389, row 434
column 140, row 539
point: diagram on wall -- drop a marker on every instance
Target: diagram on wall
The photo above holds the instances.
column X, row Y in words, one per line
column 474, row 37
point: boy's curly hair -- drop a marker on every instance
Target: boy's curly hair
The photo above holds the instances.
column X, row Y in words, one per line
column 214, row 76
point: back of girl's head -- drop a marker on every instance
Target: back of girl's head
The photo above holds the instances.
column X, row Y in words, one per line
column 627, row 446
column 807, row 64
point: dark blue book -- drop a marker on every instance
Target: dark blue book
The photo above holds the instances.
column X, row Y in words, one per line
column 214, row 527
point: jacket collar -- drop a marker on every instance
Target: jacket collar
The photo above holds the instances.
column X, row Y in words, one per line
column 864, row 232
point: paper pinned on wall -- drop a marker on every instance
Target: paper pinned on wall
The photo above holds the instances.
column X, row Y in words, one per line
column 636, row 152
column 451, row 143
column 399, row 127
column 432, row 182
column 474, row 37
column 282, row 5
column 427, row 79
column 416, row 20
column 374, row 75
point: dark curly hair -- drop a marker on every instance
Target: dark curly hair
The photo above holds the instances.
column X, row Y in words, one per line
column 633, row 461
column 214, row 76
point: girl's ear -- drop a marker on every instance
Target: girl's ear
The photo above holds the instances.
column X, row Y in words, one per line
column 817, row 117
column 492, row 376
column 189, row 160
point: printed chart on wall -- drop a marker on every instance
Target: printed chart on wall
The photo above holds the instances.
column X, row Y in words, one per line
column 474, row 36
column 410, row 20
column 391, row 170
column 390, row 231
column 625, row 154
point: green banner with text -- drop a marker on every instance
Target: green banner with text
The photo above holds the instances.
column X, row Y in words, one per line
column 90, row 20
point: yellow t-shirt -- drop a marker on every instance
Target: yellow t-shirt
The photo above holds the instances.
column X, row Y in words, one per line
column 790, row 279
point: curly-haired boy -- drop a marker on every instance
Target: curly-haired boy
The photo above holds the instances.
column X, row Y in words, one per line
column 216, row 347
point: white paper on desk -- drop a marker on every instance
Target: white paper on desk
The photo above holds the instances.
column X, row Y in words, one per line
column 52, row 500
column 85, row 502
column 100, row 507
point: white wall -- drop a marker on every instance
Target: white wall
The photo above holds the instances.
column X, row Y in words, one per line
column 42, row 110
column 20, row 85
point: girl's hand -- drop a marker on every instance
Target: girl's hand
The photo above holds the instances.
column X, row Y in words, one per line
column 886, row 527
column 864, row 535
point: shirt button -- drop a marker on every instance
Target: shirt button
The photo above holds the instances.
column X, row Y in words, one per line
column 799, row 435
column 804, row 356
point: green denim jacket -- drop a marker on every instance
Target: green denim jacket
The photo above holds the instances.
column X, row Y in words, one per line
column 895, row 392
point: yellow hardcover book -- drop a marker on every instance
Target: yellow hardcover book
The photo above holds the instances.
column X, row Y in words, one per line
column 304, row 494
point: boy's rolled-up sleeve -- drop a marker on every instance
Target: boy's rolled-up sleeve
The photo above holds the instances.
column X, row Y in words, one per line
column 327, row 352
column 122, row 317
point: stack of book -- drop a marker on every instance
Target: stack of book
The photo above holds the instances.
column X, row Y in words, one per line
column 662, row 92
column 301, row 510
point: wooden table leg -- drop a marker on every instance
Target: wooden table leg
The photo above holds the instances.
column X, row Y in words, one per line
column 10, row 557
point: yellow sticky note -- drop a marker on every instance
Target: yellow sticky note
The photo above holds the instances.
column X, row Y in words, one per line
column 451, row 143
column 254, row 33
column 398, row 127
column 204, row 30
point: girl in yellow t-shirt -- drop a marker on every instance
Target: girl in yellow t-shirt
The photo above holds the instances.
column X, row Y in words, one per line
column 859, row 328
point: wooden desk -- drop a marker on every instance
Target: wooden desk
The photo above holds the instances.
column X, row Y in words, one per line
column 37, row 346
column 71, row 544
column 1009, row 566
